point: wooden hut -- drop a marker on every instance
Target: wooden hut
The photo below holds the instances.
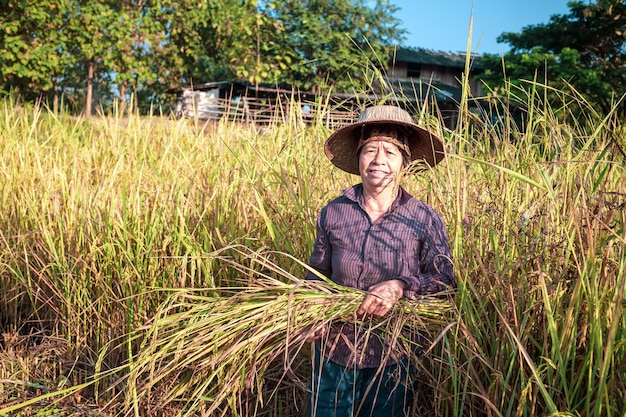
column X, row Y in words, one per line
column 261, row 104
column 415, row 76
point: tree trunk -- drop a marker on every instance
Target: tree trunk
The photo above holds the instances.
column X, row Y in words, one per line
column 123, row 92
column 135, row 90
column 89, row 97
column 55, row 98
column 123, row 102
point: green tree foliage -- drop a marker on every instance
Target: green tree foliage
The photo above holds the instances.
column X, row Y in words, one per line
column 137, row 36
column 331, row 42
column 207, row 37
column 92, row 51
column 585, row 48
column 91, row 25
column 33, row 46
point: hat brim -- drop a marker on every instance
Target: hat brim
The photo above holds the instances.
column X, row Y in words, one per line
column 341, row 146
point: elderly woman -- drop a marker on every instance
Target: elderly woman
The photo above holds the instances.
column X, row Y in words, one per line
column 378, row 238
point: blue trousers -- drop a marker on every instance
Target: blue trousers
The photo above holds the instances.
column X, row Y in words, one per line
column 337, row 391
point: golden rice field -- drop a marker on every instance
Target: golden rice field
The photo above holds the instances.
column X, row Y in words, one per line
column 152, row 267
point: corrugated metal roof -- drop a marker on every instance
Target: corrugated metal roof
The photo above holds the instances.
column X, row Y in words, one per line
column 430, row 57
column 237, row 84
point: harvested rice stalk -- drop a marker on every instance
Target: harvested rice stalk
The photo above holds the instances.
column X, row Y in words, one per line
column 214, row 349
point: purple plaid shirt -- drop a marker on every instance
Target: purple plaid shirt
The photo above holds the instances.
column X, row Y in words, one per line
column 409, row 243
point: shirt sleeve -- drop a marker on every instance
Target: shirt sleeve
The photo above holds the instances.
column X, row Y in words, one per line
column 436, row 272
column 320, row 259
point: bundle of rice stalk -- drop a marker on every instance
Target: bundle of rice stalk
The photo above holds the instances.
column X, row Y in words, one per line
column 211, row 350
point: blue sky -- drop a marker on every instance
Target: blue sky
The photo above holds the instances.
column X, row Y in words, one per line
column 444, row 24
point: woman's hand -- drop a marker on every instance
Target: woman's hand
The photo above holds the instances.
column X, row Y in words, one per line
column 381, row 298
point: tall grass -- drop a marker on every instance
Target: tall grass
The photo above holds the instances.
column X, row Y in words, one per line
column 103, row 219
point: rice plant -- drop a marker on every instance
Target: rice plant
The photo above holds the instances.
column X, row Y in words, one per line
column 119, row 236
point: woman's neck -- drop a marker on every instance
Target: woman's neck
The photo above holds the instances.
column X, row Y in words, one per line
column 377, row 202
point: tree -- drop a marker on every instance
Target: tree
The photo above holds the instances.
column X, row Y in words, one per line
column 33, row 41
column 139, row 36
column 585, row 48
column 208, row 36
column 92, row 26
column 86, row 48
column 329, row 42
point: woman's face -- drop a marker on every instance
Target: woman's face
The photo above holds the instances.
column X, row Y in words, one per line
column 380, row 163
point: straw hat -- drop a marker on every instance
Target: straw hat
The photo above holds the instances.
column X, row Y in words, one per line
column 343, row 145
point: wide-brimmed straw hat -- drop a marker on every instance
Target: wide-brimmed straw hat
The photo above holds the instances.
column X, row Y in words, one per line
column 343, row 145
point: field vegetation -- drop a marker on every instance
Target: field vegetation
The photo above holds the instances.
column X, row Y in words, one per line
column 135, row 250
